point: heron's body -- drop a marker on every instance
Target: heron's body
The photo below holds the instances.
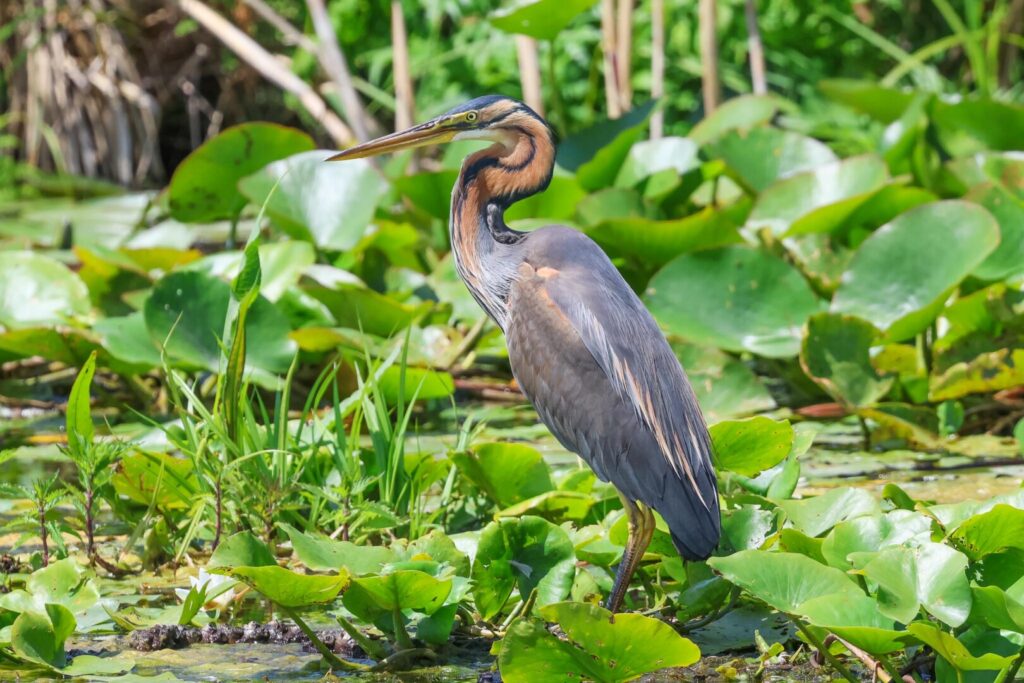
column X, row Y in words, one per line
column 582, row 346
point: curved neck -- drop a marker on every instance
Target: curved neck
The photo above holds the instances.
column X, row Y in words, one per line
column 490, row 181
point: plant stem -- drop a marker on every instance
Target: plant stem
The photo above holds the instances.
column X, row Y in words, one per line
column 402, row 638
column 831, row 658
column 218, row 495
column 332, row 659
column 43, row 537
column 90, row 545
column 369, row 647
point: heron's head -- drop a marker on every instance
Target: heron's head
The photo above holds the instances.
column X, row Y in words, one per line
column 493, row 117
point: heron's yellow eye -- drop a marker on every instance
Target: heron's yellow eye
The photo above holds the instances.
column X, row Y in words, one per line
column 471, row 116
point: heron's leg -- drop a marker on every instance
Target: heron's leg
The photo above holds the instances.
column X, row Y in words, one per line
column 641, row 529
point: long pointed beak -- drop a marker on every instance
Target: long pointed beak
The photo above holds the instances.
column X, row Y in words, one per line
column 429, row 133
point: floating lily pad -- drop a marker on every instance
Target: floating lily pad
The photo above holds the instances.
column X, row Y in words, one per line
column 600, row 647
column 287, row 588
column 750, row 446
column 814, row 516
column 540, row 19
column 204, row 186
column 507, row 472
column 902, row 296
column 1008, row 258
column 654, row 243
column 991, row 531
column 818, row 200
column 736, row 298
column 739, row 113
column 764, row 154
column 836, row 354
column 322, row 553
column 36, row 290
column 329, row 203
column 528, row 552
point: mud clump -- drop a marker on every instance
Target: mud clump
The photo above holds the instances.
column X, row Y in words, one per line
column 9, row 565
column 176, row 637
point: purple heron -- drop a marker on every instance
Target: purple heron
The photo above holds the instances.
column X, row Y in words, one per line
column 582, row 346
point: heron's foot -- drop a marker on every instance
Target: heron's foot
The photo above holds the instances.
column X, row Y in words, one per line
column 641, row 529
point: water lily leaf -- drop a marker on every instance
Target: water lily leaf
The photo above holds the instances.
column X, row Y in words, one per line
column 329, row 204
column 156, row 477
column 1008, row 258
column 93, row 666
column 540, row 19
column 528, row 552
column 360, row 308
column 874, row 532
column 814, row 516
column 204, row 185
column 127, row 339
column 988, row 372
column 242, row 550
column 371, row 596
column 322, row 553
column 424, row 383
column 429, row 191
column 39, row 636
column 557, row 203
column 762, row 155
column 746, row 528
column 281, row 266
column 932, row 576
column 818, row 200
column 507, row 472
column 655, row 243
column 954, row 652
column 997, row 608
column 750, row 446
column 1005, row 169
column 600, row 647
column 594, row 159
column 36, row 290
column 287, row 588
column 857, row 620
column 971, row 126
column 989, row 532
column 769, row 578
column 439, row 547
column 648, row 157
column 724, row 386
column 879, row 102
column 736, row 298
column 835, row 353
column 902, row 296
column 739, row 113
column 186, row 312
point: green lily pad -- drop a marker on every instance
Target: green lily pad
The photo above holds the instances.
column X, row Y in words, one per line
column 769, row 578
column 405, row 589
column 597, row 153
column 507, row 472
column 528, row 552
column 600, row 647
column 424, row 383
column 322, row 553
column 997, row 608
column 204, row 186
column 648, row 157
column 127, row 339
column 814, row 516
column 540, row 19
column 360, row 308
column 242, row 550
column 902, row 296
column 1008, row 258
column 818, row 200
column 835, row 353
column 750, row 446
column 954, row 652
column 287, row 588
column 186, row 312
column 655, row 243
column 328, row 203
column 739, row 113
column 147, row 478
column 736, row 298
column 989, row 532
column 879, row 102
column 39, row 636
column 932, row 576
column 1005, row 169
column 857, row 620
column 36, row 290
column 725, row 387
column 874, row 532
column 762, row 155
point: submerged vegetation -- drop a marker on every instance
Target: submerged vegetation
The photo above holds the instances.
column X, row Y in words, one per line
column 261, row 392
